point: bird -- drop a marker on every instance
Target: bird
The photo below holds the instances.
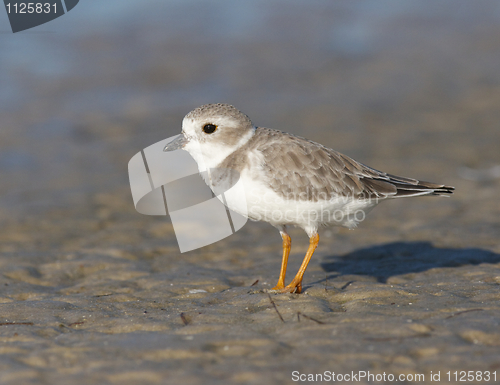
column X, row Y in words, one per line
column 288, row 180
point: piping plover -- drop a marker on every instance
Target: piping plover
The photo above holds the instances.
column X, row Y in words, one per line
column 288, row 180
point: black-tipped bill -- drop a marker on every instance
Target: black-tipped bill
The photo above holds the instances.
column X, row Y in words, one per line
column 175, row 144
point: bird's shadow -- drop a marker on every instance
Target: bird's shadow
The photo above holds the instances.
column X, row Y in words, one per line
column 387, row 260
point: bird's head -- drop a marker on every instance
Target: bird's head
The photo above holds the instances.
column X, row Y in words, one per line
column 212, row 132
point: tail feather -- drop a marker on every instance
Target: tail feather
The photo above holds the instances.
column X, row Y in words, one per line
column 407, row 187
column 386, row 185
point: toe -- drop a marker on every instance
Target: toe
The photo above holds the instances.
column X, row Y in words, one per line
column 291, row 289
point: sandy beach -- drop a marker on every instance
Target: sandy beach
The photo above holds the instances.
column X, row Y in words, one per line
column 92, row 292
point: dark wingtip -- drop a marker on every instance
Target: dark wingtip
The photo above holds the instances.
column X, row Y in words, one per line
column 423, row 188
column 444, row 190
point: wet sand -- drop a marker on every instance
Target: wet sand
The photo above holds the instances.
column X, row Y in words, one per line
column 92, row 292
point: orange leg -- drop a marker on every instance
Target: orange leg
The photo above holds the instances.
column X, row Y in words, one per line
column 296, row 285
column 287, row 245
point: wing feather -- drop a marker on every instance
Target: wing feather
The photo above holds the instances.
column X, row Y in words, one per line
column 295, row 166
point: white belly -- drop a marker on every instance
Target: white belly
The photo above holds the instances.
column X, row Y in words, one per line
column 258, row 202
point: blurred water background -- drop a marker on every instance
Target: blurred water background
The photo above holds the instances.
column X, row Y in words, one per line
column 121, row 74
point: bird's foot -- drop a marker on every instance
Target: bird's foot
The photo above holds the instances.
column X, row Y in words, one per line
column 278, row 287
column 293, row 287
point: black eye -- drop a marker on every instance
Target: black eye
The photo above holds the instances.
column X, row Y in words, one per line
column 209, row 128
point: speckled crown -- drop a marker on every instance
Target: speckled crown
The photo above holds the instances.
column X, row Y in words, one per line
column 219, row 109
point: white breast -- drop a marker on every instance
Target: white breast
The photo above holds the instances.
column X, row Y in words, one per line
column 254, row 199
